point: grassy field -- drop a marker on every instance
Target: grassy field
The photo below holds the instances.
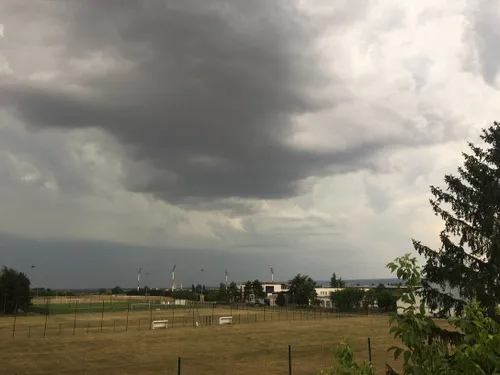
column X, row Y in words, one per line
column 246, row 349
column 90, row 299
column 37, row 326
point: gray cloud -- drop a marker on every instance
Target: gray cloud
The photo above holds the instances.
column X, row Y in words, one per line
column 72, row 264
column 488, row 36
column 202, row 97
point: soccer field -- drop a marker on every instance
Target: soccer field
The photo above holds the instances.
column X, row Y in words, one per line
column 111, row 318
column 246, row 349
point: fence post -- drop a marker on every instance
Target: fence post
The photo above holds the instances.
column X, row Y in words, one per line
column 179, row 366
column 74, row 319
column 102, row 314
column 289, row 359
column 128, row 312
column 173, row 313
column 45, row 326
column 150, row 316
column 369, row 350
column 14, row 326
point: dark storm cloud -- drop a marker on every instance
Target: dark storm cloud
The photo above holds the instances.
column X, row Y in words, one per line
column 203, row 95
column 72, row 264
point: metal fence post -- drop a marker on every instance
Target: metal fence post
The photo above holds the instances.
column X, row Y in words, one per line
column 289, row 359
column 102, row 314
column 179, row 366
column 14, row 326
column 369, row 350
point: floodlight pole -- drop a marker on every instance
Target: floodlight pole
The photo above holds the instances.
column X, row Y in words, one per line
column 139, row 279
column 173, row 277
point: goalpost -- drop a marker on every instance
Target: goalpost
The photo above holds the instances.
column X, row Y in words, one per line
column 148, row 306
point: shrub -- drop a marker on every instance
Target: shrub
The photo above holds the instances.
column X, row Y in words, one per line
column 471, row 346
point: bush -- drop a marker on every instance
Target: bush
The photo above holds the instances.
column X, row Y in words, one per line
column 348, row 299
column 471, row 346
column 281, row 299
column 386, row 300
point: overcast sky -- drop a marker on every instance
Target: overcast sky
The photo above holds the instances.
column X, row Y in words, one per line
column 233, row 134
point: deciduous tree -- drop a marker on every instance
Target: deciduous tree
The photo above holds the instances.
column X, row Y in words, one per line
column 247, row 291
column 302, row 290
column 14, row 291
column 258, row 289
column 233, row 292
column 348, row 299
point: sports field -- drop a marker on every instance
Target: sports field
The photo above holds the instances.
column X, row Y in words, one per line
column 245, row 349
column 113, row 317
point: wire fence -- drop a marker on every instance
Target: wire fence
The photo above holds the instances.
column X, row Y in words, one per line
column 141, row 318
column 291, row 359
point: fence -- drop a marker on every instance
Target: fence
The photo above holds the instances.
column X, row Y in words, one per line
column 118, row 318
column 292, row 359
column 289, row 363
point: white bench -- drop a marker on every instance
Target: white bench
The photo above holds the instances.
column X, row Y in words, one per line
column 226, row 320
column 159, row 324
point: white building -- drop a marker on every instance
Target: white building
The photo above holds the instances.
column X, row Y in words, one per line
column 269, row 287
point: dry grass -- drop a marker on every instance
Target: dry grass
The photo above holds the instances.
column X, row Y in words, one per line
column 95, row 298
column 33, row 326
column 246, row 349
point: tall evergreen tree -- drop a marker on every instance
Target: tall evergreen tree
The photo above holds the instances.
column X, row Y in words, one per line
column 247, row 291
column 469, row 257
column 336, row 283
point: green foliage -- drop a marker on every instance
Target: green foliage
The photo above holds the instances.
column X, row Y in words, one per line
column 369, row 299
column 302, row 290
column 337, row 283
column 471, row 346
column 117, row 290
column 469, row 255
column 346, row 364
column 258, row 289
column 233, row 292
column 223, row 296
column 14, row 291
column 348, row 299
column 281, row 299
column 211, row 295
column 247, row 290
column 386, row 300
